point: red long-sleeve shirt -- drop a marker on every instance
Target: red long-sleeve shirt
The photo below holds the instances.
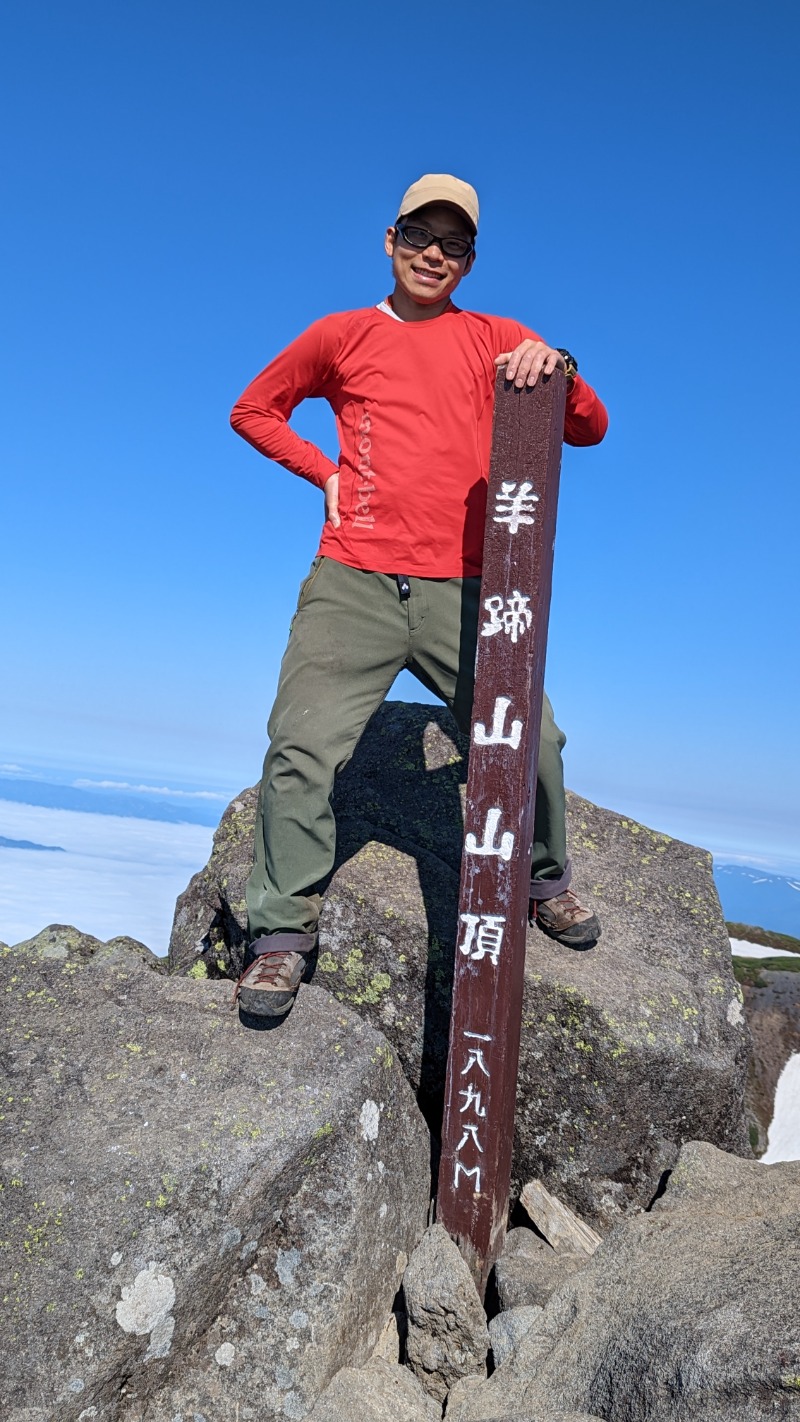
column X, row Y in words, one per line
column 413, row 402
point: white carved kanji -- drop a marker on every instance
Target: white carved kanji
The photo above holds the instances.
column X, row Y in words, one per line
column 472, row 1098
column 515, row 508
column 471, row 1174
column 502, row 851
column 475, row 1059
column 483, row 936
column 513, row 618
column 496, row 736
column 470, row 1132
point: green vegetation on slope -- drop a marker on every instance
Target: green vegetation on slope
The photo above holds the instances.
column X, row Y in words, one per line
column 749, row 970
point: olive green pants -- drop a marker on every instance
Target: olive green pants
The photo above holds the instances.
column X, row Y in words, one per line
column 350, row 637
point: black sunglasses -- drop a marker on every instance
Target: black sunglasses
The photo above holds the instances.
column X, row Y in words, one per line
column 419, row 238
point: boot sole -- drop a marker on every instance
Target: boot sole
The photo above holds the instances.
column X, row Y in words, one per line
column 585, row 935
column 260, row 1002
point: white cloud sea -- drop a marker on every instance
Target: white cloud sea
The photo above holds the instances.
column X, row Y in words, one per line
column 117, row 875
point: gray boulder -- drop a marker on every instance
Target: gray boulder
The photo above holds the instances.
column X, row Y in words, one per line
column 457, row 1398
column 201, row 1221
column 456, row 1403
column 508, row 1328
column 379, row 1392
column 529, row 1270
column 541, row 1413
column 447, row 1334
column 392, row 1341
column 689, row 1311
column 627, row 1050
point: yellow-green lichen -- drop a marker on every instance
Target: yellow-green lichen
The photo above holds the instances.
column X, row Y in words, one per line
column 242, row 1127
column 47, row 1226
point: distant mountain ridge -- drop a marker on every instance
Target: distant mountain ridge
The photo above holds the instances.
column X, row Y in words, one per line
column 103, row 801
column 28, row 844
column 751, row 895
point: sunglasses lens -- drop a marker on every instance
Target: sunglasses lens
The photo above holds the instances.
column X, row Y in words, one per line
column 455, row 247
column 418, row 237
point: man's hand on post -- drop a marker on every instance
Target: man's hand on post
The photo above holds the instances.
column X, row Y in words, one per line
column 528, row 361
column 331, row 488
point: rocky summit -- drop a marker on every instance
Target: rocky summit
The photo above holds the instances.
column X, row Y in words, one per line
column 686, row 1313
column 208, row 1223
column 627, row 1050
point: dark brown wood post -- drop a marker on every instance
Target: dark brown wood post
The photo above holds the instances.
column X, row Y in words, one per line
column 483, row 1058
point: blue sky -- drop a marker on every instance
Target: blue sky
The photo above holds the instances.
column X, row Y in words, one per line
column 188, row 185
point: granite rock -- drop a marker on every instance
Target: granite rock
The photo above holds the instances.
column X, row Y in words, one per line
column 199, row 1220
column 379, row 1392
column 508, row 1328
column 447, row 1333
column 627, row 1050
column 688, row 1311
column 529, row 1270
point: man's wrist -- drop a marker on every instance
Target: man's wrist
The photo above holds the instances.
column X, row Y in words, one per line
column 570, row 364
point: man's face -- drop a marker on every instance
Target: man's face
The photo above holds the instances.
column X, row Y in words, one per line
column 429, row 276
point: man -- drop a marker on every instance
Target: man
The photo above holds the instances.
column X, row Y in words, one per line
column 397, row 577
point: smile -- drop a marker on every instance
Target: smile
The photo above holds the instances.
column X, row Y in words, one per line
column 424, row 274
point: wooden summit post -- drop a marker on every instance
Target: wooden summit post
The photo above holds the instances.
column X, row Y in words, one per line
column 483, row 1057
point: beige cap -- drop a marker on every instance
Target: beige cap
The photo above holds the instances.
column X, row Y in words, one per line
column 441, row 187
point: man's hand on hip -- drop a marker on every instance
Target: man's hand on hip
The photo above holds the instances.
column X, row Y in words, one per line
column 528, row 361
column 331, row 488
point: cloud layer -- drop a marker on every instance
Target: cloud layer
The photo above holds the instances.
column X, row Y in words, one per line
column 117, row 876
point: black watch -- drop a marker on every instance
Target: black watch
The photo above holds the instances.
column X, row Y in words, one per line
column 571, row 363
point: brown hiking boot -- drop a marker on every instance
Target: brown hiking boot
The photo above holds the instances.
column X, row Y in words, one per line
column 565, row 919
column 268, row 986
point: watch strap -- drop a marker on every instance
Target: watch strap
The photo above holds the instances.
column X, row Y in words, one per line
column 570, row 362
